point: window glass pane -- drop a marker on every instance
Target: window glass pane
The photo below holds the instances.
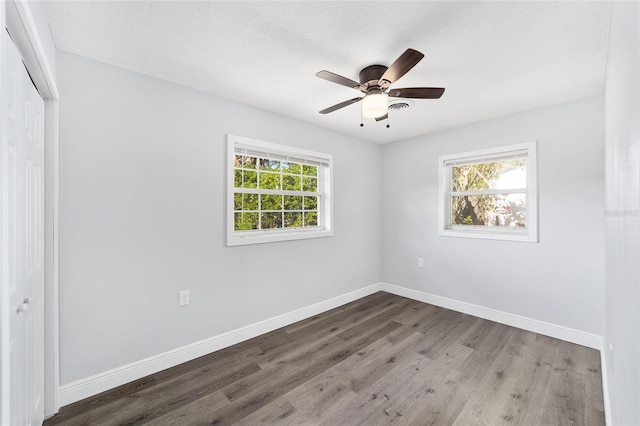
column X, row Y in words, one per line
column 311, row 219
column 272, row 165
column 310, row 170
column 237, row 178
column 245, row 201
column 250, row 179
column 292, row 202
column 489, row 210
column 292, row 219
column 246, row 221
column 293, row 168
column 269, row 180
column 309, row 184
column 250, row 201
column 249, row 162
column 291, row 183
column 310, row 203
column 237, row 161
column 270, row 202
column 497, row 175
column 271, row 220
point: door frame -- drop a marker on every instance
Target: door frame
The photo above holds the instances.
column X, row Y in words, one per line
column 18, row 18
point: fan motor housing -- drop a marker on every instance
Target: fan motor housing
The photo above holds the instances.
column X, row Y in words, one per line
column 372, row 74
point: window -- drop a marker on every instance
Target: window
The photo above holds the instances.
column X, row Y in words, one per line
column 276, row 192
column 490, row 194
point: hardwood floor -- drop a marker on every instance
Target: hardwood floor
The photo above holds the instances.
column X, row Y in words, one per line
column 382, row 359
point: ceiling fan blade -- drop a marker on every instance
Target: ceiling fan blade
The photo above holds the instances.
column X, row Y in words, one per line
column 335, row 78
column 340, row 105
column 401, row 66
column 382, row 117
column 417, row 92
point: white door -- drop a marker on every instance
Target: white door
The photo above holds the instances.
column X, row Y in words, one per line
column 23, row 242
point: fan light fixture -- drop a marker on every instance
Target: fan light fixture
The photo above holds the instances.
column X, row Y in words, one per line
column 375, row 104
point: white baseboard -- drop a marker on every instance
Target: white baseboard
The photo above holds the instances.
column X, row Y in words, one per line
column 93, row 385
column 101, row 382
column 552, row 330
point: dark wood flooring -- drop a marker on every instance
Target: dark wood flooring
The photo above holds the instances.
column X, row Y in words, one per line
column 382, row 359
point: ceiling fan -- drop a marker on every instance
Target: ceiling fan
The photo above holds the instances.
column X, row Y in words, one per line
column 374, row 83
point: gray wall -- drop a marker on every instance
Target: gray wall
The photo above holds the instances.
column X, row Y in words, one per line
column 560, row 279
column 623, row 214
column 142, row 191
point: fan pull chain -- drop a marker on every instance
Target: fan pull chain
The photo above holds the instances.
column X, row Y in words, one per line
column 361, row 118
column 388, row 121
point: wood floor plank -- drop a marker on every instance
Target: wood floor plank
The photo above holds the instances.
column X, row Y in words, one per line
column 278, row 412
column 191, row 412
column 498, row 386
column 439, row 401
column 495, row 338
column 529, row 390
column 443, row 331
column 357, row 364
column 321, row 333
column 424, row 390
column 375, row 403
column 315, row 357
column 413, row 320
column 315, row 402
column 302, row 396
column 410, row 404
column 350, row 309
column 154, row 401
column 412, row 310
column 81, row 412
column 247, row 397
column 383, row 359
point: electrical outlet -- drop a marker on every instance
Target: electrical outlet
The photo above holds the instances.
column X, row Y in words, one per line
column 183, row 298
column 420, row 262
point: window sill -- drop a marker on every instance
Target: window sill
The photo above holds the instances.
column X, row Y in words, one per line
column 259, row 237
column 483, row 233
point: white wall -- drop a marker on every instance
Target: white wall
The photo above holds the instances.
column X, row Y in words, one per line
column 622, row 104
column 142, row 190
column 558, row 280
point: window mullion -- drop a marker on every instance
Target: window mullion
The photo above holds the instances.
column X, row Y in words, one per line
column 489, row 192
column 277, row 192
column 449, row 213
column 259, row 211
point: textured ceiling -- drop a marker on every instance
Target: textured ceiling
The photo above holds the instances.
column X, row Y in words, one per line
column 493, row 58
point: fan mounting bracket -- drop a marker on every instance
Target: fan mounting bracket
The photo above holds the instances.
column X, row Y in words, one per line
column 370, row 76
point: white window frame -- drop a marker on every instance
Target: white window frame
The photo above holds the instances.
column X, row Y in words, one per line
column 528, row 234
column 324, row 162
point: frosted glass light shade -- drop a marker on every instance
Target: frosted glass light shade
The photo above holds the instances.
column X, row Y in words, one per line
column 375, row 104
